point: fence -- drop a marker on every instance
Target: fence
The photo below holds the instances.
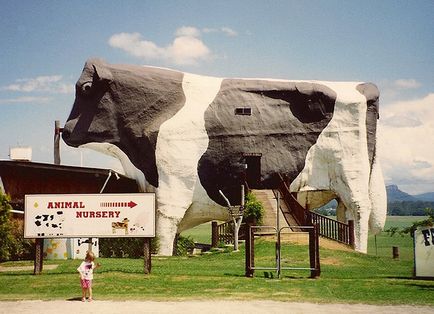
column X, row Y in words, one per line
column 333, row 229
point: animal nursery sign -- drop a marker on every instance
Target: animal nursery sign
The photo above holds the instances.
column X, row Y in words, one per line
column 89, row 215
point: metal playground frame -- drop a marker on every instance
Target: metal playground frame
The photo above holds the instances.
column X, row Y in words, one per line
column 254, row 231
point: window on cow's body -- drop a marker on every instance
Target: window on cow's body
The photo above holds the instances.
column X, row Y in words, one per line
column 243, row 111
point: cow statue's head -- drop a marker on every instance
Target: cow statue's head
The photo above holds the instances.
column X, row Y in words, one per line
column 118, row 110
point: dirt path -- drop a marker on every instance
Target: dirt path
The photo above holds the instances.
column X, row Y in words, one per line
column 209, row 307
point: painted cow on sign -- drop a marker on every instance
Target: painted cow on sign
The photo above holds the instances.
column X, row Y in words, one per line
column 187, row 136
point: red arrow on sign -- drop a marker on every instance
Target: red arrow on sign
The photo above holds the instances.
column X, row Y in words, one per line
column 130, row 204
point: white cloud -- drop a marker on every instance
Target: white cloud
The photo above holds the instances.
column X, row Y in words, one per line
column 391, row 91
column 225, row 30
column 134, row 45
column 52, row 84
column 228, row 31
column 406, row 144
column 187, row 31
column 402, row 121
column 187, row 48
column 26, row 100
column 406, row 84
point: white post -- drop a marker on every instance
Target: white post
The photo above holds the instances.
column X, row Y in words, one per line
column 238, row 220
column 237, row 217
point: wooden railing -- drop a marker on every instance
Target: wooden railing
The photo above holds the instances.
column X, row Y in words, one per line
column 333, row 229
column 225, row 233
column 328, row 228
column 297, row 211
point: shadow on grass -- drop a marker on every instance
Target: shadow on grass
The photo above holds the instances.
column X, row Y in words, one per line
column 421, row 286
column 427, row 279
column 74, row 299
column 400, row 277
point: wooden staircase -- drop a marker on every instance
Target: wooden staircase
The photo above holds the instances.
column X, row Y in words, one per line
column 294, row 214
column 268, row 200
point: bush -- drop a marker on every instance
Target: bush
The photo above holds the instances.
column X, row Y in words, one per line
column 253, row 209
column 133, row 247
column 6, row 237
column 22, row 249
column 429, row 222
column 184, row 246
column 125, row 247
column 13, row 246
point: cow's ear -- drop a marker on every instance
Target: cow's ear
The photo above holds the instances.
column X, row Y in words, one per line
column 101, row 73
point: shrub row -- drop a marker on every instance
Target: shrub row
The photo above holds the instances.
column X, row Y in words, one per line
column 13, row 246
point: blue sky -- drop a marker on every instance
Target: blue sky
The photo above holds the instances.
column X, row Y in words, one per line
column 44, row 45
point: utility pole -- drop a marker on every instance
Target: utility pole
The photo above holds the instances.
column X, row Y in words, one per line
column 57, row 131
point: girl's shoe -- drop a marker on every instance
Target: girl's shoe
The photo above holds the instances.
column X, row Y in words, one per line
column 90, row 300
column 83, row 299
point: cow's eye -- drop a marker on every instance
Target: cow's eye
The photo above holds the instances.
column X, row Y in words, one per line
column 86, row 88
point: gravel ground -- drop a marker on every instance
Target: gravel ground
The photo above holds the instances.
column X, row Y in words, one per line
column 208, row 307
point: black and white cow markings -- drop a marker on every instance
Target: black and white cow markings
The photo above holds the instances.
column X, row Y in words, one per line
column 286, row 120
column 187, row 136
column 48, row 222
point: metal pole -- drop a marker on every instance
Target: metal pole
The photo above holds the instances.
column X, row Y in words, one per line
column 278, row 253
column 376, row 249
column 57, row 131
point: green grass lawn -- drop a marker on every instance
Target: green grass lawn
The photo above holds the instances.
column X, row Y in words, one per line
column 201, row 233
column 385, row 242
column 346, row 277
column 382, row 247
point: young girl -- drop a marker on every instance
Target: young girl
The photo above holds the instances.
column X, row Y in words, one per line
column 86, row 275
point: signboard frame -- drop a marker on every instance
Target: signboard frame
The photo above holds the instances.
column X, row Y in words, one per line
column 118, row 212
column 423, row 238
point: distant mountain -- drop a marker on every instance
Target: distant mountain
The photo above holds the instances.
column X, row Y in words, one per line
column 400, row 203
column 427, row 197
column 394, row 194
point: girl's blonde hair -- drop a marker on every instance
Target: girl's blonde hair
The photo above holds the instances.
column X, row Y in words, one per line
column 90, row 257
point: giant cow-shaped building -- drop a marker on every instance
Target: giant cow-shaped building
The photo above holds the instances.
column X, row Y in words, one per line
column 187, row 136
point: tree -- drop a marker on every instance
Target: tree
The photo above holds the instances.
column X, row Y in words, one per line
column 236, row 214
column 429, row 222
column 6, row 240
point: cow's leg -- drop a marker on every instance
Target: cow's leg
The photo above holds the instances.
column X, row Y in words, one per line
column 377, row 193
column 173, row 200
column 364, row 197
column 355, row 205
column 167, row 228
column 182, row 140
